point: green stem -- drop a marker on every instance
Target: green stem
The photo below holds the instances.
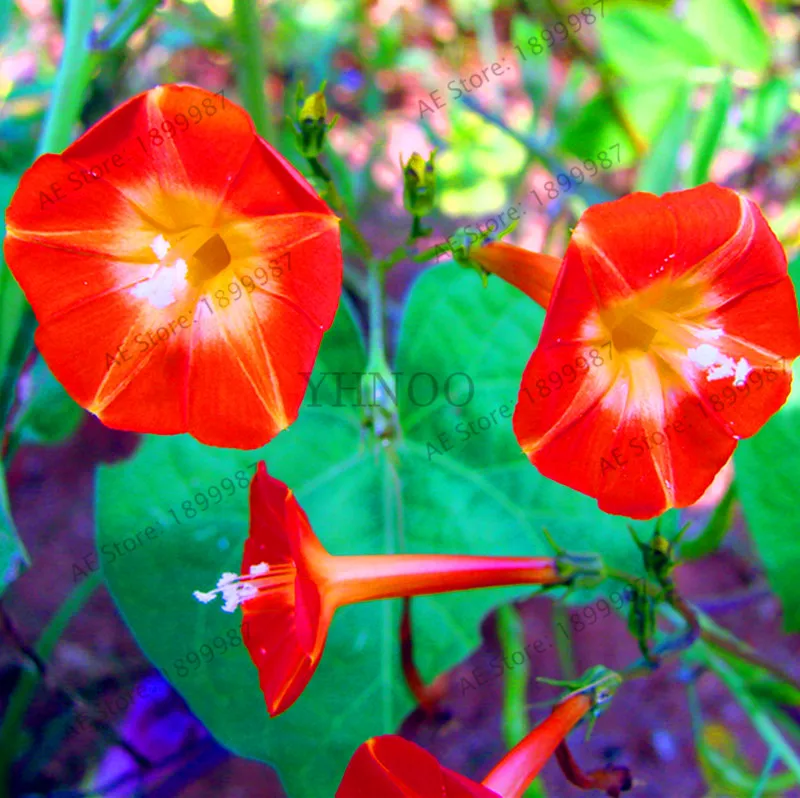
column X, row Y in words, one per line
column 515, row 723
column 376, row 361
column 727, row 770
column 719, row 637
column 250, row 68
column 74, row 75
column 29, row 679
column 511, row 635
column 759, row 717
column 335, row 199
column 542, row 153
column 763, row 779
column 128, row 17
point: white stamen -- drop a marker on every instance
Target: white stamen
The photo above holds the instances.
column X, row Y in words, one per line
column 726, row 368
column 227, row 578
column 709, row 334
column 160, row 246
column 705, row 355
column 234, row 588
column 160, row 289
column 717, row 365
column 743, row 369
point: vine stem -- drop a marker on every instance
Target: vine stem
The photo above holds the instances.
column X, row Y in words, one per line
column 74, row 75
column 335, row 199
column 759, row 717
column 23, row 692
column 376, row 362
column 700, row 625
column 250, row 67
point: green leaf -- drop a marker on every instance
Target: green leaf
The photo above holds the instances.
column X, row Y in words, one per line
column 767, row 474
column 659, row 169
column 763, row 109
column 12, row 300
column 732, row 31
column 483, row 499
column 709, row 130
column 50, row 415
column 648, row 107
column 536, row 69
column 647, row 45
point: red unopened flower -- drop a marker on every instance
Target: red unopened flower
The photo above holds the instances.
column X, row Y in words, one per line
column 669, row 336
column 291, row 587
column 182, row 271
column 396, row 768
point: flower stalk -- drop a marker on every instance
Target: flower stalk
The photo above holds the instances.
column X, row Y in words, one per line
column 587, row 697
column 428, row 696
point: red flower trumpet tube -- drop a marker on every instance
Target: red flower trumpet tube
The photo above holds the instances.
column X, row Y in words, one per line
column 291, row 586
column 183, row 273
column 396, row 768
column 670, row 331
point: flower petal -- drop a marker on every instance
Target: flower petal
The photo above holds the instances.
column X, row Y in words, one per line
column 391, row 767
column 625, row 244
column 287, row 625
column 724, row 242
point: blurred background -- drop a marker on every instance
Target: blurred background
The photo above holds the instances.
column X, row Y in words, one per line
column 543, row 107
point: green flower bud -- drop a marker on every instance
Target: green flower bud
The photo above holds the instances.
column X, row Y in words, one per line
column 659, row 556
column 311, row 127
column 419, row 184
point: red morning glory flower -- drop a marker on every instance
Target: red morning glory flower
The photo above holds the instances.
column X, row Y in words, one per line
column 670, row 332
column 290, row 586
column 183, row 273
column 396, row 768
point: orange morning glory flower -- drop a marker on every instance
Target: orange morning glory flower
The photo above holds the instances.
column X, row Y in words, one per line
column 396, row 768
column 291, row 586
column 670, row 332
column 181, row 270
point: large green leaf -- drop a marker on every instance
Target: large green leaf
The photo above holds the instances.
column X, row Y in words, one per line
column 361, row 499
column 647, row 45
column 648, row 107
column 731, row 30
column 660, row 168
column 709, row 131
column 767, row 475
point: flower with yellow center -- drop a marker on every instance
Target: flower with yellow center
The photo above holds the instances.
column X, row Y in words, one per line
column 670, row 331
column 182, row 272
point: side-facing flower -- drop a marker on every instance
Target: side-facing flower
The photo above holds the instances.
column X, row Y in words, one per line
column 669, row 336
column 183, row 273
column 393, row 767
column 291, row 586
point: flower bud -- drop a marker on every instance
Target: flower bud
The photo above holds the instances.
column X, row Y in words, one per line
column 419, row 184
column 311, row 127
column 659, row 556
